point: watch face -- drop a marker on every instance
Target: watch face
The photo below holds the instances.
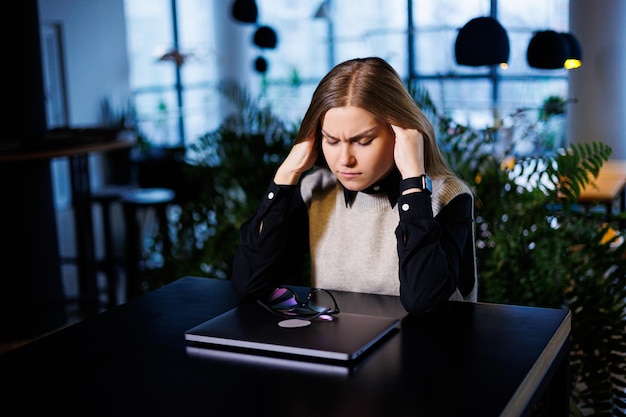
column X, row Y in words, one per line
column 428, row 183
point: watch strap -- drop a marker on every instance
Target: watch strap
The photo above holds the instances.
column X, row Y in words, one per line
column 415, row 182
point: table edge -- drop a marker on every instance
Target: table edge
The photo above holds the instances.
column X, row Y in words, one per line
column 521, row 397
column 67, row 151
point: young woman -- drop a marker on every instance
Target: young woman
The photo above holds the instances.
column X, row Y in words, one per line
column 367, row 194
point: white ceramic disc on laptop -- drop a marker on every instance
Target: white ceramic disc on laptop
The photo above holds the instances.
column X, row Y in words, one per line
column 291, row 323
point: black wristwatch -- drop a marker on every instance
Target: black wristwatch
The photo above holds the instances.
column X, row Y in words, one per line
column 423, row 182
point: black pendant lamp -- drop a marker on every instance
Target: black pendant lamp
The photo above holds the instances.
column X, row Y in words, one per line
column 549, row 49
column 260, row 65
column 574, row 58
column 245, row 11
column 265, row 37
column 482, row 41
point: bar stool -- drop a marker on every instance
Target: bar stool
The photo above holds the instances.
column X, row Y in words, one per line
column 136, row 204
column 149, row 179
column 105, row 198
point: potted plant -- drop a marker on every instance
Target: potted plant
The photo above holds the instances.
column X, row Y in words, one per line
column 226, row 171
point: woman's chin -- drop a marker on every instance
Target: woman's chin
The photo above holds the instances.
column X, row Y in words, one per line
column 351, row 185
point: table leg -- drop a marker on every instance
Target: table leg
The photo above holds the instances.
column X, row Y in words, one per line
column 83, row 224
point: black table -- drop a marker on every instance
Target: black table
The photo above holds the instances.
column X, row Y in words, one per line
column 464, row 360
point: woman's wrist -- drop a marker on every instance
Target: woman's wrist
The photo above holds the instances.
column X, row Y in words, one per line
column 416, row 184
column 286, row 177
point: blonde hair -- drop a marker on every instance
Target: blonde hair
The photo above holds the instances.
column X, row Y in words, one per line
column 373, row 85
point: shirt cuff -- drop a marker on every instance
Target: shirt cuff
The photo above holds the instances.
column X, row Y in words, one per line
column 415, row 206
column 276, row 195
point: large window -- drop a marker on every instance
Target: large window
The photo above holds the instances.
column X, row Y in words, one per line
column 173, row 75
column 177, row 101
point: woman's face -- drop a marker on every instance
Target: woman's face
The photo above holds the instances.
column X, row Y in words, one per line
column 357, row 147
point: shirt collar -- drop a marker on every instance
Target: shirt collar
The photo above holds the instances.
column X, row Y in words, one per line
column 389, row 184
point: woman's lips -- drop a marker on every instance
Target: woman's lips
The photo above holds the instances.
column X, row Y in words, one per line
column 349, row 175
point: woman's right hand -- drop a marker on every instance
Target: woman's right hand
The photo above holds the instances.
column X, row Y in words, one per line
column 301, row 158
column 409, row 151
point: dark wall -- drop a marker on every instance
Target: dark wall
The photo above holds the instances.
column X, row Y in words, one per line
column 26, row 90
column 31, row 293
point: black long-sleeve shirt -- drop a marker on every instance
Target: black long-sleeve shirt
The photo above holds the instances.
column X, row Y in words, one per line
column 436, row 253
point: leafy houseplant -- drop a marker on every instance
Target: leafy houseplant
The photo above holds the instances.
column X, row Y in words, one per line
column 227, row 171
column 536, row 246
column 552, row 122
column 552, row 106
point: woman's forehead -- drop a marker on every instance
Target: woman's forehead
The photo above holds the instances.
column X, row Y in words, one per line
column 349, row 121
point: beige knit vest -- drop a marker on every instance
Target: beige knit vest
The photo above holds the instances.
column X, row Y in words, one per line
column 354, row 248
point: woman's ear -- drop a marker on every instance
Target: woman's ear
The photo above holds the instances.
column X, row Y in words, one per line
column 390, row 127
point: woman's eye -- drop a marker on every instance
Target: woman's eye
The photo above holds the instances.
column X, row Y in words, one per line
column 365, row 142
column 331, row 141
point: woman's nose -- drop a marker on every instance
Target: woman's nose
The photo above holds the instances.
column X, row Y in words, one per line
column 346, row 158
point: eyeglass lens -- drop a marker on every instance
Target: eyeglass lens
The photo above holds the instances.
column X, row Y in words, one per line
column 284, row 298
column 285, row 301
column 321, row 301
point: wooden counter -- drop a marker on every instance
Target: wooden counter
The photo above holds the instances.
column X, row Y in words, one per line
column 607, row 187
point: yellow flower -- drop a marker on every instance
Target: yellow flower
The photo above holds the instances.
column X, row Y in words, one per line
column 609, row 235
column 508, row 163
column 478, row 179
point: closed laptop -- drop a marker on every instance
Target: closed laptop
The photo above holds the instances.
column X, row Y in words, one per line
column 251, row 329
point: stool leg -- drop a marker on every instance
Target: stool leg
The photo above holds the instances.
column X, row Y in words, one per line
column 161, row 212
column 133, row 252
column 109, row 253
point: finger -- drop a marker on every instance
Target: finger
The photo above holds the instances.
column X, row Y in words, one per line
column 400, row 132
column 396, row 130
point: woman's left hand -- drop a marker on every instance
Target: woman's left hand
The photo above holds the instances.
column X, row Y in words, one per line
column 409, row 152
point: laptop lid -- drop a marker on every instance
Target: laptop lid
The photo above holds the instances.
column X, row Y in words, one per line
column 249, row 328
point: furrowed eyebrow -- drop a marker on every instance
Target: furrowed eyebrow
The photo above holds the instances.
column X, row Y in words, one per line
column 355, row 138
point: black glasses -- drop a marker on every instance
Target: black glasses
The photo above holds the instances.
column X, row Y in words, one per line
column 284, row 302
